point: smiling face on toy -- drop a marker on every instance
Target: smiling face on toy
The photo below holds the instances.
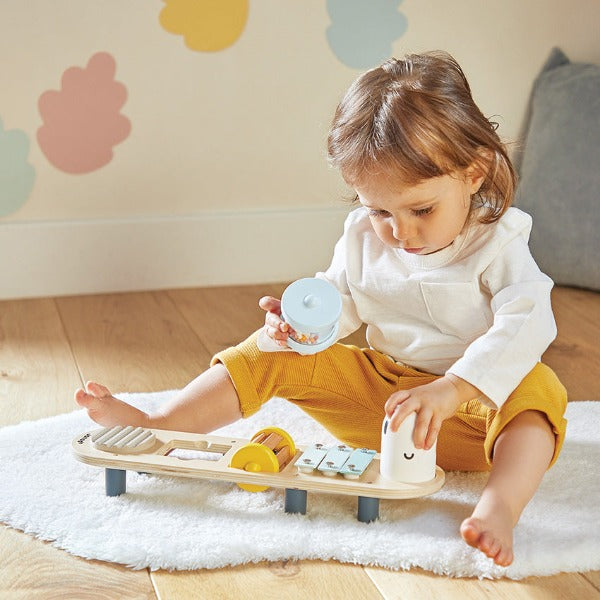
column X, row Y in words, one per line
column 400, row 460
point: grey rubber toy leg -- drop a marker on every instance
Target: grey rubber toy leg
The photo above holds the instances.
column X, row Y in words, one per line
column 295, row 501
column 368, row 509
column 116, row 482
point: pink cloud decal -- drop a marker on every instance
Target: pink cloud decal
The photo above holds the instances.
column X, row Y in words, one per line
column 82, row 121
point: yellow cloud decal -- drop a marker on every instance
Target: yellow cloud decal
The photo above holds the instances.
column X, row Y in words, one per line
column 206, row 25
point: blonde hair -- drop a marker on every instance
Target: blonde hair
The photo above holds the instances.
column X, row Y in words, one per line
column 413, row 119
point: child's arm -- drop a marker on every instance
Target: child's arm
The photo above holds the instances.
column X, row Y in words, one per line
column 522, row 329
column 433, row 402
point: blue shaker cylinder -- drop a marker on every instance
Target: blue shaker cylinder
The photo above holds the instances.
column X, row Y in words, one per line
column 312, row 308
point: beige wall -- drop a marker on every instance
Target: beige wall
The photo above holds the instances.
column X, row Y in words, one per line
column 241, row 131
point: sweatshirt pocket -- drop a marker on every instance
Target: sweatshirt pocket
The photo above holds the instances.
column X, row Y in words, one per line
column 457, row 309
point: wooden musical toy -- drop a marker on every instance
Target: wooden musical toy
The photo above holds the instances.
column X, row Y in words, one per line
column 269, row 459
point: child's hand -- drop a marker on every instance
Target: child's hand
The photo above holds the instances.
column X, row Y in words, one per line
column 275, row 328
column 433, row 402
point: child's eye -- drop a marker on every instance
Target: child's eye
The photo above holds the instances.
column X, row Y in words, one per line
column 374, row 212
column 419, row 212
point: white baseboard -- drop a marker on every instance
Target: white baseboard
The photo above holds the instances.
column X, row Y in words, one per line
column 224, row 248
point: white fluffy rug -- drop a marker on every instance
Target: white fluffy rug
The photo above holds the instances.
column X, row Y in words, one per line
column 173, row 523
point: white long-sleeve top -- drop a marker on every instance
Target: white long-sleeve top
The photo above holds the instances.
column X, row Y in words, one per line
column 479, row 309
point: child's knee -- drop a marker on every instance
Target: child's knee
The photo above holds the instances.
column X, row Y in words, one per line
column 540, row 398
column 258, row 376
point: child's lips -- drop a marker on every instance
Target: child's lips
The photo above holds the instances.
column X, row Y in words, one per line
column 413, row 250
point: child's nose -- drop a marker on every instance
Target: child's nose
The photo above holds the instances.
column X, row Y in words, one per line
column 403, row 230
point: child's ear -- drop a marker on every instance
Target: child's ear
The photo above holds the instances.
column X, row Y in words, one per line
column 477, row 171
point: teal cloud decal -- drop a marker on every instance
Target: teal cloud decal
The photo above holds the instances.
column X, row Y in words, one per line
column 362, row 32
column 16, row 174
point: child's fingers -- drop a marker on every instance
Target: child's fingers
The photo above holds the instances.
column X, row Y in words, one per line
column 275, row 322
column 422, row 424
column 434, row 429
column 403, row 408
column 276, row 334
column 276, row 329
column 270, row 304
column 393, row 401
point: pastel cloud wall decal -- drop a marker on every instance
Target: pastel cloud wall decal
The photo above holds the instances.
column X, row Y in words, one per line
column 82, row 121
column 206, row 25
column 16, row 174
column 362, row 32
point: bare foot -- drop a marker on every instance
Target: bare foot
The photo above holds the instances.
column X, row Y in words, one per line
column 107, row 410
column 490, row 529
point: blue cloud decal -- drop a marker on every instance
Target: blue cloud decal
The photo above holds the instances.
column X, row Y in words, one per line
column 362, row 32
column 16, row 174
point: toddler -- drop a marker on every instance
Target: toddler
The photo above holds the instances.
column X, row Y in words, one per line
column 436, row 263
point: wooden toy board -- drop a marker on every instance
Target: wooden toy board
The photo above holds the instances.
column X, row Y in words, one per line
column 154, row 457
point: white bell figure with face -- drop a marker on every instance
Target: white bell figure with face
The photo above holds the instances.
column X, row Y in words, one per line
column 400, row 460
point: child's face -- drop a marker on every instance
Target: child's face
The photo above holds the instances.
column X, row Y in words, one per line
column 421, row 218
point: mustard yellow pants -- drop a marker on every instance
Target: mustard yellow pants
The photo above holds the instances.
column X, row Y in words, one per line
column 345, row 389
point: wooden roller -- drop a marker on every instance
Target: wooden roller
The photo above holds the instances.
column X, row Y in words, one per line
column 270, row 450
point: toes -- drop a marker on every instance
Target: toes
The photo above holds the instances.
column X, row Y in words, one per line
column 504, row 557
column 96, row 389
column 489, row 545
column 470, row 532
column 80, row 396
column 475, row 535
column 89, row 401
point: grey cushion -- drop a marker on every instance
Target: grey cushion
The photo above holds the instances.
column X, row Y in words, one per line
column 560, row 171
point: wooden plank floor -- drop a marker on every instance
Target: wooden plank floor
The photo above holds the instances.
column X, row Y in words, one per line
column 154, row 341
